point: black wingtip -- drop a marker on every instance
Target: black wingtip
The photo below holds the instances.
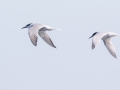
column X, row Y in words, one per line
column 93, row 46
column 35, row 45
column 54, row 46
column 116, row 57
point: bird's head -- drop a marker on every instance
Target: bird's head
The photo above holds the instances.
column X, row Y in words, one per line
column 28, row 25
column 93, row 35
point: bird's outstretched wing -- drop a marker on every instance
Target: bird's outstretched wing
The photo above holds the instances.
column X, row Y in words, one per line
column 96, row 39
column 109, row 46
column 33, row 39
column 46, row 38
column 33, row 33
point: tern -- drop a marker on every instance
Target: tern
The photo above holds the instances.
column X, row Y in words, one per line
column 106, row 37
column 38, row 29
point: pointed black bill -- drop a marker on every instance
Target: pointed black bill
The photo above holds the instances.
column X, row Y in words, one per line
column 22, row 27
column 90, row 37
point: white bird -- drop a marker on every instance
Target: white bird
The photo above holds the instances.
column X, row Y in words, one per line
column 38, row 29
column 106, row 37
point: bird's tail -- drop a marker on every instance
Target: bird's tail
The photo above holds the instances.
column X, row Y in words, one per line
column 51, row 28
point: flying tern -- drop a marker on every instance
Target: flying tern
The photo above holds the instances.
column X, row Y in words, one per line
column 106, row 37
column 38, row 29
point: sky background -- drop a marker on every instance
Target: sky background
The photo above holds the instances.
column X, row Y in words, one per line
column 73, row 65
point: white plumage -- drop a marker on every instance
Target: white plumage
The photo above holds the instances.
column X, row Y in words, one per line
column 38, row 29
column 106, row 37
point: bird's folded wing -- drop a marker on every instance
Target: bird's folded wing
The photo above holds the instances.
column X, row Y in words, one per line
column 96, row 39
column 46, row 38
column 109, row 46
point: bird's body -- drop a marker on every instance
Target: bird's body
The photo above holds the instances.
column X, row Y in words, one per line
column 35, row 30
column 106, row 37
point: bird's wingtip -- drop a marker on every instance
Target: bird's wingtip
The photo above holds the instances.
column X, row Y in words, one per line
column 115, row 56
column 54, row 46
column 35, row 45
column 93, row 46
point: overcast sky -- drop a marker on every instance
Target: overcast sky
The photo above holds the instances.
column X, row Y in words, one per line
column 73, row 65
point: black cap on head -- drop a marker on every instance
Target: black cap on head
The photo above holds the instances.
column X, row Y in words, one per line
column 93, row 35
column 27, row 25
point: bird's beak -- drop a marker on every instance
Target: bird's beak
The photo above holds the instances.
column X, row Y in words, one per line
column 89, row 37
column 23, row 28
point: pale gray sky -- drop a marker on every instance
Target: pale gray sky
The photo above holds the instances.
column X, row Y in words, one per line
column 73, row 65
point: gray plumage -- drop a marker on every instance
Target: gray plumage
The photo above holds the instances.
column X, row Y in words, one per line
column 38, row 29
column 106, row 37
